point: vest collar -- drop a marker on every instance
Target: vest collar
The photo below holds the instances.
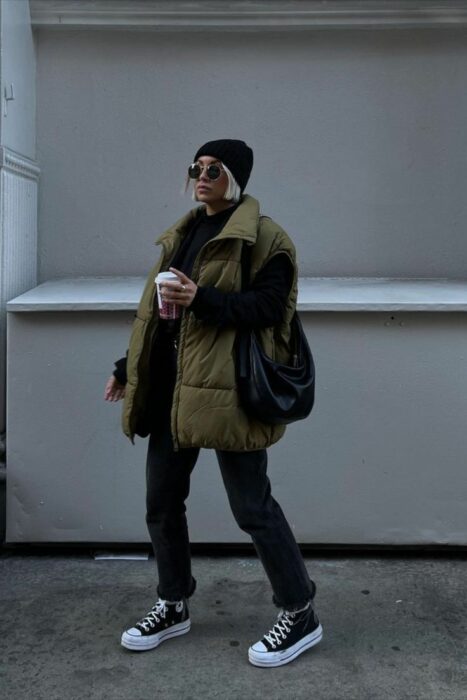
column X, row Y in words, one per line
column 242, row 224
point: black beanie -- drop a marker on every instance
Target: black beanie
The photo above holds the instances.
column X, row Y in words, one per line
column 235, row 154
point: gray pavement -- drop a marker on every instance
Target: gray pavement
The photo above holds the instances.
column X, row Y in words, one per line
column 395, row 627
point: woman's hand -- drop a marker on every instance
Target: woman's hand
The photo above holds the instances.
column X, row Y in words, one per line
column 114, row 391
column 181, row 292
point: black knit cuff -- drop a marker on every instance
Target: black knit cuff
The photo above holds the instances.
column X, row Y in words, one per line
column 120, row 371
column 197, row 304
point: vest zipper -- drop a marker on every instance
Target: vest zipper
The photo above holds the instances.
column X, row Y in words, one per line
column 181, row 342
column 174, row 406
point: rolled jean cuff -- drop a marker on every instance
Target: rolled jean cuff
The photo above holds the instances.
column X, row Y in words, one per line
column 295, row 605
column 177, row 595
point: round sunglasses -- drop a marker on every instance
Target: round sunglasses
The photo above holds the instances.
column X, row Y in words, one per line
column 213, row 171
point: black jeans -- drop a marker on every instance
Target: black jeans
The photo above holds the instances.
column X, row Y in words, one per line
column 249, row 493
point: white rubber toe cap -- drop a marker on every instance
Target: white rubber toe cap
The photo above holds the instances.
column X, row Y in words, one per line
column 259, row 647
column 134, row 632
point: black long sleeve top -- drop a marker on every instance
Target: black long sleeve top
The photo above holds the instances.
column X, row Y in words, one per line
column 261, row 305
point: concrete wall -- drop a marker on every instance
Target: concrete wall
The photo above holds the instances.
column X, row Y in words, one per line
column 18, row 171
column 358, row 139
column 381, row 459
column 18, row 180
column 18, row 125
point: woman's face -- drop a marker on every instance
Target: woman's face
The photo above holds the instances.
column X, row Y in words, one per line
column 210, row 191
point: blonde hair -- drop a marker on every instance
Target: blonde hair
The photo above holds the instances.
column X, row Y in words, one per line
column 232, row 193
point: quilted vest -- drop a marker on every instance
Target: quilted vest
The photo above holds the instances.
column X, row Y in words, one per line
column 206, row 411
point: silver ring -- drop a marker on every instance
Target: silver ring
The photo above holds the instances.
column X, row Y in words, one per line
column 183, row 287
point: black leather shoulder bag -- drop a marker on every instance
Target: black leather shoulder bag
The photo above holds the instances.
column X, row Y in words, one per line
column 269, row 391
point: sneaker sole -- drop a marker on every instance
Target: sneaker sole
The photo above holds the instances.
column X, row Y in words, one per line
column 278, row 658
column 151, row 642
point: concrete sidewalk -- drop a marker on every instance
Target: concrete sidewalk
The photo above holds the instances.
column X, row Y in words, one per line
column 394, row 628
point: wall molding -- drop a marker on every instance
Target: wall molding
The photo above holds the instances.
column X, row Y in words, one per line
column 18, row 164
column 246, row 15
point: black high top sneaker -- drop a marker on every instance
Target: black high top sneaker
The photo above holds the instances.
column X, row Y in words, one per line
column 165, row 620
column 292, row 634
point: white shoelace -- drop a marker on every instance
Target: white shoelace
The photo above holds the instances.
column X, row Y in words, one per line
column 157, row 613
column 281, row 629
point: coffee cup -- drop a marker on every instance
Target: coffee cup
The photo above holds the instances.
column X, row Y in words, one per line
column 167, row 309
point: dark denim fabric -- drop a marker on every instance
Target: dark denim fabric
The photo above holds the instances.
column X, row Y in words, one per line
column 249, row 493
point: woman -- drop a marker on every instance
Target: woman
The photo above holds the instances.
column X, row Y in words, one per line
column 178, row 385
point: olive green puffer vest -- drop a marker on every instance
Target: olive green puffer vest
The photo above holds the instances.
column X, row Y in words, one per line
column 205, row 409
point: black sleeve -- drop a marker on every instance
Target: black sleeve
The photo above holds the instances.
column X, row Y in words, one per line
column 120, row 370
column 262, row 305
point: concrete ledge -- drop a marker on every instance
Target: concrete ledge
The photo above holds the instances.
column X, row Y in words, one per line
column 381, row 294
column 315, row 294
column 81, row 294
column 247, row 15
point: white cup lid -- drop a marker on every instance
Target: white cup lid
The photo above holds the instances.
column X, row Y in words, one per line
column 166, row 276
